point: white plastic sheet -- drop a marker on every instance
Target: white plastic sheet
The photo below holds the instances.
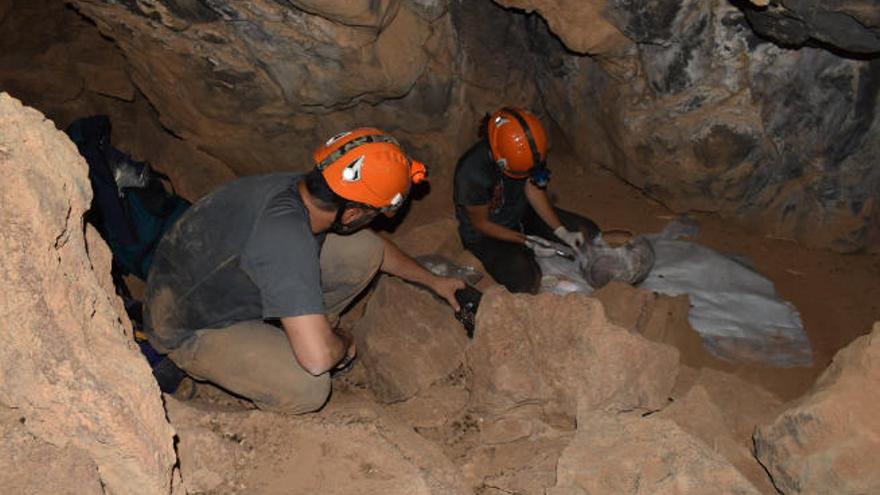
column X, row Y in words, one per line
column 734, row 308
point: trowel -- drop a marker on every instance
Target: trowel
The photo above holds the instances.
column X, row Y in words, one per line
column 559, row 249
column 469, row 300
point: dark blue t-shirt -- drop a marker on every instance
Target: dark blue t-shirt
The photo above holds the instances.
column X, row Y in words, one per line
column 479, row 181
column 244, row 252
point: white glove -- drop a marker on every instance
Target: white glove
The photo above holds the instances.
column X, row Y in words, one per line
column 539, row 246
column 573, row 239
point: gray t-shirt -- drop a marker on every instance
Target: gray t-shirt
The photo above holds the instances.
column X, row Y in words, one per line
column 244, row 252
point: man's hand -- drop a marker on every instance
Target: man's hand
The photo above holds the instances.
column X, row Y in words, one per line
column 400, row 265
column 573, row 239
column 445, row 287
column 348, row 342
column 345, row 363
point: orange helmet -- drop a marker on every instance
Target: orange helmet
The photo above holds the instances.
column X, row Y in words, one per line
column 368, row 167
column 518, row 141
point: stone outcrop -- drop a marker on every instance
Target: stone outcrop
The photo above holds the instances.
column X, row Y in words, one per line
column 719, row 425
column 655, row 457
column 825, row 442
column 582, row 25
column 556, row 352
column 68, row 364
column 849, row 25
column 407, row 340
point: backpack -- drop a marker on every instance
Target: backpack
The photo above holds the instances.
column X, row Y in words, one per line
column 131, row 207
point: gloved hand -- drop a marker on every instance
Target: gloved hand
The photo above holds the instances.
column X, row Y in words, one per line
column 573, row 239
column 539, row 246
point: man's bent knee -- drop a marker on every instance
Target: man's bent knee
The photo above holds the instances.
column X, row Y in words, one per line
column 305, row 396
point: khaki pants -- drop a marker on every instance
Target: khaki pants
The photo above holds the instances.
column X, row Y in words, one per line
column 255, row 360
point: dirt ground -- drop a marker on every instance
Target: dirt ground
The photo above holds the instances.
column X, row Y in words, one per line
column 837, row 295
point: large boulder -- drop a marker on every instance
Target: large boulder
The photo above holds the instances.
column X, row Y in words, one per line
column 407, row 340
column 555, row 352
column 717, row 423
column 827, row 441
column 68, row 363
column 629, row 453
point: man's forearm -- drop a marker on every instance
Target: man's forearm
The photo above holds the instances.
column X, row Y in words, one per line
column 541, row 204
column 315, row 345
column 397, row 263
column 496, row 231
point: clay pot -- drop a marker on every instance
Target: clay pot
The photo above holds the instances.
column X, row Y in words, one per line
column 617, row 255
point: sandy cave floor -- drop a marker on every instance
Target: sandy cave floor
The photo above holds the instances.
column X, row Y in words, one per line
column 838, row 296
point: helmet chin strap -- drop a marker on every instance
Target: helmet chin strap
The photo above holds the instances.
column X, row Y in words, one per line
column 337, row 227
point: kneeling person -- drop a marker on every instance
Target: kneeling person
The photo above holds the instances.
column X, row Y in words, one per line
column 284, row 247
column 500, row 199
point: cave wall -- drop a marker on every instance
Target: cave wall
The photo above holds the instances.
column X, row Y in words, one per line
column 701, row 113
column 257, row 83
column 53, row 59
column 765, row 114
column 70, row 371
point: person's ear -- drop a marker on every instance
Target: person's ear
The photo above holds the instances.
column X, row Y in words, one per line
column 352, row 214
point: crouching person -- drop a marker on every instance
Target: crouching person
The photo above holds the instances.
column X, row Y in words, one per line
column 283, row 248
column 501, row 200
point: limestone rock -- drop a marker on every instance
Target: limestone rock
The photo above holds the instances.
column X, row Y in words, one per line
column 114, row 83
column 55, row 60
column 581, row 25
column 556, row 352
column 626, row 306
column 67, row 362
column 628, row 453
column 714, row 424
column 31, row 465
column 524, row 465
column 209, row 457
column 407, row 340
column 701, row 113
column 826, row 441
column 851, row 25
column 267, row 80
